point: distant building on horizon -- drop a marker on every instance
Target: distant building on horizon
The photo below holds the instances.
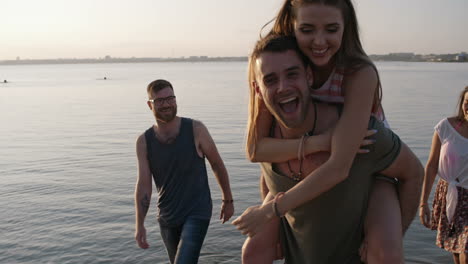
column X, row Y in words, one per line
column 198, row 57
column 402, row 55
column 461, row 57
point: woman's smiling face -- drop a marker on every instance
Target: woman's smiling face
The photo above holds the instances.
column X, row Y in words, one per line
column 319, row 32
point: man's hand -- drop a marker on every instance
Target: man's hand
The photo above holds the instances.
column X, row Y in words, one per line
column 363, row 251
column 254, row 218
column 140, row 237
column 227, row 210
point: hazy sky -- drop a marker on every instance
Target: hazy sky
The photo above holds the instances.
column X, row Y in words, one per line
column 172, row 28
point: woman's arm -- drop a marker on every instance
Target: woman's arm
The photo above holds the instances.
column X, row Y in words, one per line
column 432, row 167
column 281, row 150
column 268, row 149
column 360, row 87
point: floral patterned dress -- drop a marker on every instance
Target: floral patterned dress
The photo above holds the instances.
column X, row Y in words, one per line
column 452, row 235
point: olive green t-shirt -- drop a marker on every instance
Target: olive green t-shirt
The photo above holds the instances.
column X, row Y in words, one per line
column 329, row 229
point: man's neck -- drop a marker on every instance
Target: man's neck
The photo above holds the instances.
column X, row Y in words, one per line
column 319, row 118
column 167, row 131
column 307, row 125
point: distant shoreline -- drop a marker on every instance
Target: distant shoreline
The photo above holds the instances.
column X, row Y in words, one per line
column 402, row 57
column 122, row 60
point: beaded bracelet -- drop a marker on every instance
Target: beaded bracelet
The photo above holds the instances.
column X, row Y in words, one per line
column 228, row 201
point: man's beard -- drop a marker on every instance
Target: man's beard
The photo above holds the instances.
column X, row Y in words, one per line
column 166, row 116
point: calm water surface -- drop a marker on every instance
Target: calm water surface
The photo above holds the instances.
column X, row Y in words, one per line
column 68, row 166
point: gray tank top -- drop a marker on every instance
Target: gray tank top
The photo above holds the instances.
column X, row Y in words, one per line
column 180, row 177
column 330, row 228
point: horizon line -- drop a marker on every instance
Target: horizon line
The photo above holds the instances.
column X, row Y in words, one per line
column 108, row 57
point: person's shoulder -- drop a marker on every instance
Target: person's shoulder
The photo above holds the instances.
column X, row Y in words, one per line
column 366, row 70
column 142, row 137
column 141, row 149
column 199, row 128
column 141, row 140
column 451, row 120
column 454, row 122
column 365, row 75
column 443, row 123
column 197, row 124
column 188, row 120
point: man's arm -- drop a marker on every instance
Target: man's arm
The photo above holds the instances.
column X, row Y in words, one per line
column 408, row 170
column 208, row 148
column 143, row 190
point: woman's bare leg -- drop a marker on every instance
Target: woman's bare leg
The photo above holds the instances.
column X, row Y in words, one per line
column 261, row 248
column 463, row 258
column 383, row 225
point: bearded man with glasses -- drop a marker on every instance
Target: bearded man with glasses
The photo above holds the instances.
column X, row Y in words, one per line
column 172, row 152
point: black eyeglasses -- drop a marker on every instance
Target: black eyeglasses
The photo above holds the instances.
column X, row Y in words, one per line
column 161, row 101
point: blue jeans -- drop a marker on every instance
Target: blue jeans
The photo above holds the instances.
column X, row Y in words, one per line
column 183, row 243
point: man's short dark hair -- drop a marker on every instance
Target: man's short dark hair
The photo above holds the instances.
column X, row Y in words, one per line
column 158, row 85
column 278, row 43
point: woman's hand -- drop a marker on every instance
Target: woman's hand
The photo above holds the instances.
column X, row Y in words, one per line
column 367, row 141
column 254, row 218
column 425, row 215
